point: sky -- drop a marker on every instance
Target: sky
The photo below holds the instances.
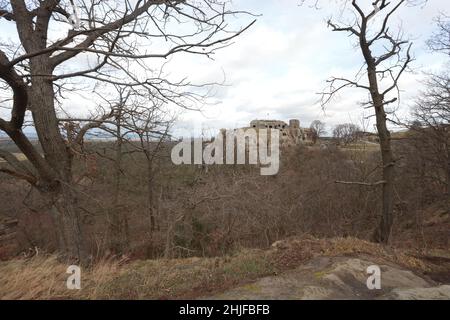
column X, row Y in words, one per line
column 276, row 69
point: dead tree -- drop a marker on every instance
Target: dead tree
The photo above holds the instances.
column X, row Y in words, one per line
column 146, row 125
column 152, row 125
column 371, row 29
column 317, row 129
column 440, row 41
column 118, row 38
column 118, row 233
column 140, row 126
column 431, row 126
column 346, row 133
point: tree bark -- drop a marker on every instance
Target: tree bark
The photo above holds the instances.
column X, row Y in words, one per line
column 150, row 197
column 118, row 223
column 70, row 233
column 383, row 232
column 57, row 154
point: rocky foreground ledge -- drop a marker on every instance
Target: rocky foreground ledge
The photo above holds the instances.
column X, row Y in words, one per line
column 295, row 268
column 339, row 278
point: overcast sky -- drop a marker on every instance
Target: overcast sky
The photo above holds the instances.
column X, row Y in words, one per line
column 277, row 67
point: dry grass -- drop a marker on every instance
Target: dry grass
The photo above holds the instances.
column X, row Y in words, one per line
column 361, row 146
column 24, row 279
column 44, row 277
column 291, row 252
column 344, row 246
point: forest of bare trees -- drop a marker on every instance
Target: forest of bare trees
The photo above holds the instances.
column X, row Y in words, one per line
column 35, row 74
column 100, row 184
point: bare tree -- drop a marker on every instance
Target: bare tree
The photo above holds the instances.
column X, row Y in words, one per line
column 346, row 133
column 150, row 125
column 386, row 57
column 432, row 112
column 317, row 129
column 117, row 237
column 117, row 38
column 440, row 41
column 140, row 127
column 431, row 124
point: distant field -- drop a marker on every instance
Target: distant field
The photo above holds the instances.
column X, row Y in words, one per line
column 369, row 146
column 19, row 156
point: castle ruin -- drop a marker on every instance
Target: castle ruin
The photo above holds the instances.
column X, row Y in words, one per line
column 290, row 134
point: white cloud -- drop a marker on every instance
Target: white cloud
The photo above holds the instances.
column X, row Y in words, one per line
column 277, row 67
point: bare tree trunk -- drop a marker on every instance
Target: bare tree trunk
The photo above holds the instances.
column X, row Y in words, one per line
column 70, row 233
column 383, row 231
column 150, row 197
column 369, row 37
column 387, row 219
column 150, row 207
column 59, row 156
column 118, row 223
column 169, row 242
column 447, row 146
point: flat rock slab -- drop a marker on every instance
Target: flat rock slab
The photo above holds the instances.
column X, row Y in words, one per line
column 338, row 278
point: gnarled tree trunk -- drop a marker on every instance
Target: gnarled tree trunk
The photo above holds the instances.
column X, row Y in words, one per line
column 59, row 156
